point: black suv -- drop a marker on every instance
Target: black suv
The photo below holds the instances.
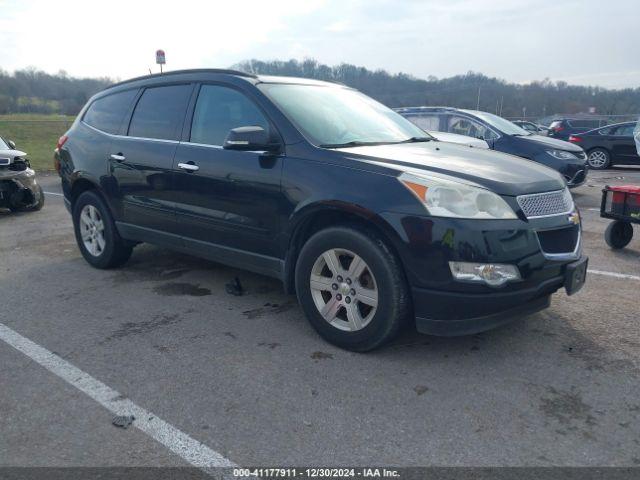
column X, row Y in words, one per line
column 504, row 136
column 367, row 218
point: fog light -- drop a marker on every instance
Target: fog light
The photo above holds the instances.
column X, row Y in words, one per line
column 493, row 274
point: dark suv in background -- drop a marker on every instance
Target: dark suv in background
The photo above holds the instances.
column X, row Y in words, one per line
column 504, row 136
column 562, row 129
column 367, row 218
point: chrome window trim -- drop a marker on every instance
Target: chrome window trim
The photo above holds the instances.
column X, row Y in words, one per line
column 127, row 137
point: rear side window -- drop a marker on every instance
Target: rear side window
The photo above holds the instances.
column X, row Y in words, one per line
column 107, row 113
column 426, row 122
column 218, row 110
column 160, row 112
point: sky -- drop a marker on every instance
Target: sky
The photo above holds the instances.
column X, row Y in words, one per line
column 587, row 42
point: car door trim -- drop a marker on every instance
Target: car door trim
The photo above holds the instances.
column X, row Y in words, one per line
column 255, row 262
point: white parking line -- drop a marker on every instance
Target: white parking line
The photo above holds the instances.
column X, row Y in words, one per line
column 56, row 194
column 613, row 274
column 193, row 451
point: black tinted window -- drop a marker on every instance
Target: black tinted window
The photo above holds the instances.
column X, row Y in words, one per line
column 218, row 110
column 107, row 113
column 160, row 112
column 624, row 131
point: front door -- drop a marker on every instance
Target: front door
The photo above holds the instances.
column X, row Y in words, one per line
column 228, row 203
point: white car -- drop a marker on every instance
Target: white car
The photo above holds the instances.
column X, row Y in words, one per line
column 459, row 139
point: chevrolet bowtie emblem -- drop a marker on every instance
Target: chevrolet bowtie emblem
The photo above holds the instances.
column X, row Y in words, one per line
column 574, row 218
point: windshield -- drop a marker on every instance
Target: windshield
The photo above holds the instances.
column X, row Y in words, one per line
column 3, row 145
column 333, row 116
column 505, row 126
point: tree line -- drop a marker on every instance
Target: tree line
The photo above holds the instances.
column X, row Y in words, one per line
column 536, row 99
column 34, row 91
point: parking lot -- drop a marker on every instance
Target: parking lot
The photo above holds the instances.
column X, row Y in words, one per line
column 248, row 378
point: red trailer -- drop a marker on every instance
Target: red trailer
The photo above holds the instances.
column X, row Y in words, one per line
column 621, row 204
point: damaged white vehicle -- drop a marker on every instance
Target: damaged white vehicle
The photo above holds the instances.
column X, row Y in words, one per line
column 19, row 190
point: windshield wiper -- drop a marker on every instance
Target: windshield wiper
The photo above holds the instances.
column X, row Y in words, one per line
column 359, row 143
column 417, row 139
column 353, row 143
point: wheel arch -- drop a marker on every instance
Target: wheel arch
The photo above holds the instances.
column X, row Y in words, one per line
column 315, row 218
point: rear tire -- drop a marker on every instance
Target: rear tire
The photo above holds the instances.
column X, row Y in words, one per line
column 598, row 159
column 96, row 233
column 618, row 234
column 363, row 304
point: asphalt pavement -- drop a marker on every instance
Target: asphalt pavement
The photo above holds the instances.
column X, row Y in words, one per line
column 247, row 378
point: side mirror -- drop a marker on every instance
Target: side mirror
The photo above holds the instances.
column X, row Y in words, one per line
column 252, row 138
column 12, row 144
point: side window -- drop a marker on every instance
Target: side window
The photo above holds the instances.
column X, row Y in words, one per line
column 469, row 128
column 624, row 131
column 160, row 112
column 107, row 113
column 218, row 110
column 426, row 122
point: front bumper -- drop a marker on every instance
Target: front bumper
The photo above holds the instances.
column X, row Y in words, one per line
column 18, row 188
column 444, row 306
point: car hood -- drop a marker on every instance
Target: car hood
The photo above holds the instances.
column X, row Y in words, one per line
column 501, row 173
column 11, row 154
column 551, row 143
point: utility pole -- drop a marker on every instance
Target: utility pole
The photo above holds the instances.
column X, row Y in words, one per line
column 501, row 103
column 478, row 104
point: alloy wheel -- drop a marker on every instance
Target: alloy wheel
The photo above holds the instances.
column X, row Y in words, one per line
column 344, row 289
column 598, row 159
column 92, row 230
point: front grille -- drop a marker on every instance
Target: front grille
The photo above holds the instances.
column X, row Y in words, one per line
column 546, row 204
column 561, row 240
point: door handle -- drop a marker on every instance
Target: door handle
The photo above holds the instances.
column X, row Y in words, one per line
column 118, row 157
column 189, row 167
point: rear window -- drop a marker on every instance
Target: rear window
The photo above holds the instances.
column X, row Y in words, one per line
column 160, row 112
column 107, row 113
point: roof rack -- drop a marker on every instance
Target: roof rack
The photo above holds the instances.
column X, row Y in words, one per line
column 193, row 70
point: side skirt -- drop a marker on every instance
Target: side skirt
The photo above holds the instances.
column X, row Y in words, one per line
column 262, row 264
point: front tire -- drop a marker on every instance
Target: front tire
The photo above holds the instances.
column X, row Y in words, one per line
column 96, row 233
column 351, row 288
column 598, row 159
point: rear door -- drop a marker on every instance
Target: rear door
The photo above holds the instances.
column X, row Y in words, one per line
column 231, row 204
column 141, row 160
column 623, row 144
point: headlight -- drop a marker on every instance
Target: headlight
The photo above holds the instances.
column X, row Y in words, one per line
column 445, row 198
column 562, row 154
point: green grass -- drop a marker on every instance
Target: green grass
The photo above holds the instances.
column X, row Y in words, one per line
column 36, row 135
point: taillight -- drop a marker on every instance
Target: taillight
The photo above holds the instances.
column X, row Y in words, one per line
column 56, row 158
column 559, row 128
column 61, row 141
column 575, row 138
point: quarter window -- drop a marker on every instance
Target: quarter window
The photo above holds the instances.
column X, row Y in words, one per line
column 160, row 112
column 220, row 109
column 107, row 113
